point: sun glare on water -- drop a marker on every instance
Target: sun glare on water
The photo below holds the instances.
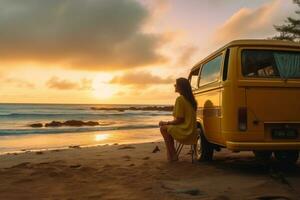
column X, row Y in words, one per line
column 101, row 137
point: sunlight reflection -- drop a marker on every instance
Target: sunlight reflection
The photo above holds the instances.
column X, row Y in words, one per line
column 101, row 137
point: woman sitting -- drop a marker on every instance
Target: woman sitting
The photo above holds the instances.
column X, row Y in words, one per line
column 184, row 127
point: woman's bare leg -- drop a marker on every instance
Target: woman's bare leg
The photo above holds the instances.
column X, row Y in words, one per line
column 163, row 131
column 169, row 141
column 172, row 148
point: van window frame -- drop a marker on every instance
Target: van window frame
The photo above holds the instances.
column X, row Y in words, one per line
column 198, row 77
column 241, row 49
column 221, row 69
column 225, row 64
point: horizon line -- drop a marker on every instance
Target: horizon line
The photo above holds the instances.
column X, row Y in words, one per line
column 84, row 103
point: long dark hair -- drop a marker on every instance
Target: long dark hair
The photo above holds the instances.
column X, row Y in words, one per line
column 184, row 88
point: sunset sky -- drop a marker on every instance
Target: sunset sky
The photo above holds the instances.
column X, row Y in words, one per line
column 118, row 51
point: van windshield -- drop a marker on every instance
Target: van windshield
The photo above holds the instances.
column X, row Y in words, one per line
column 271, row 63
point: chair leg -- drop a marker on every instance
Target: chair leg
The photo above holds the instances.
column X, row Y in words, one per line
column 179, row 148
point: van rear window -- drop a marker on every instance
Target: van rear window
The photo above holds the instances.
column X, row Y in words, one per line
column 271, row 63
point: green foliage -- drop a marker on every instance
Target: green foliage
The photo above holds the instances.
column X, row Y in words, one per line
column 291, row 29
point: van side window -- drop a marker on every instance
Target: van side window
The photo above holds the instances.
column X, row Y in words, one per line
column 211, row 71
column 193, row 77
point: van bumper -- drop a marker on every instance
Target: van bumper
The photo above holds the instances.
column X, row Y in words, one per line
column 249, row 146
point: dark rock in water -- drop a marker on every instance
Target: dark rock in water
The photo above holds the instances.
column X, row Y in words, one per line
column 53, row 124
column 73, row 123
column 80, row 123
column 91, row 123
column 36, row 125
column 74, row 147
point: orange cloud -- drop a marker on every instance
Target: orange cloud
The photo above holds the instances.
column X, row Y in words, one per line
column 249, row 23
column 63, row 84
column 140, row 78
column 158, row 95
column 16, row 82
column 88, row 35
column 186, row 54
column 158, row 8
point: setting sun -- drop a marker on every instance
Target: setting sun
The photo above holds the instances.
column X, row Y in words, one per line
column 103, row 91
column 101, row 88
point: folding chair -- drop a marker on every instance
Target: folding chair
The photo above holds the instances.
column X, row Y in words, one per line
column 179, row 146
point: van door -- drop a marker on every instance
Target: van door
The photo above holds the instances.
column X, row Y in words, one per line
column 208, row 98
column 272, row 89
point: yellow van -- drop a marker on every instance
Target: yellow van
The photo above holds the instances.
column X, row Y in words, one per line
column 248, row 95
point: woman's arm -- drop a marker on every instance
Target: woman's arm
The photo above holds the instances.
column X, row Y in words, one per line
column 176, row 121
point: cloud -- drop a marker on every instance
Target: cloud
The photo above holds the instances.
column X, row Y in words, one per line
column 63, row 84
column 88, row 35
column 16, row 82
column 157, row 94
column 158, row 8
column 86, row 84
column 249, row 23
column 186, row 54
column 120, row 93
column 140, row 78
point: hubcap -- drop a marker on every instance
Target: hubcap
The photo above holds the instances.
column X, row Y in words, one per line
column 198, row 148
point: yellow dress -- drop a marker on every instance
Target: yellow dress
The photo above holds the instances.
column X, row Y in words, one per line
column 186, row 132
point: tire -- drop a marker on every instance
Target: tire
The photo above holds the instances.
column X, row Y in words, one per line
column 203, row 149
column 287, row 157
column 263, row 155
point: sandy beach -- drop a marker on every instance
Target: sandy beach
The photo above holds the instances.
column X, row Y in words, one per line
column 133, row 171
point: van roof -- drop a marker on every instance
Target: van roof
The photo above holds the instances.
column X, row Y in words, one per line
column 266, row 42
column 252, row 42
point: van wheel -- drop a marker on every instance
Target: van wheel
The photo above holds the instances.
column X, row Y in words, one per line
column 204, row 150
column 263, row 155
column 288, row 157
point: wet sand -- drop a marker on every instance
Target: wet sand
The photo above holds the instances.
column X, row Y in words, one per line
column 133, row 171
column 20, row 143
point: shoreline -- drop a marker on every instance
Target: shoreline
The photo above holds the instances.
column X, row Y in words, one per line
column 72, row 147
column 43, row 142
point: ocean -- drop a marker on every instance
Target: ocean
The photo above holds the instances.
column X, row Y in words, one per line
column 15, row 120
